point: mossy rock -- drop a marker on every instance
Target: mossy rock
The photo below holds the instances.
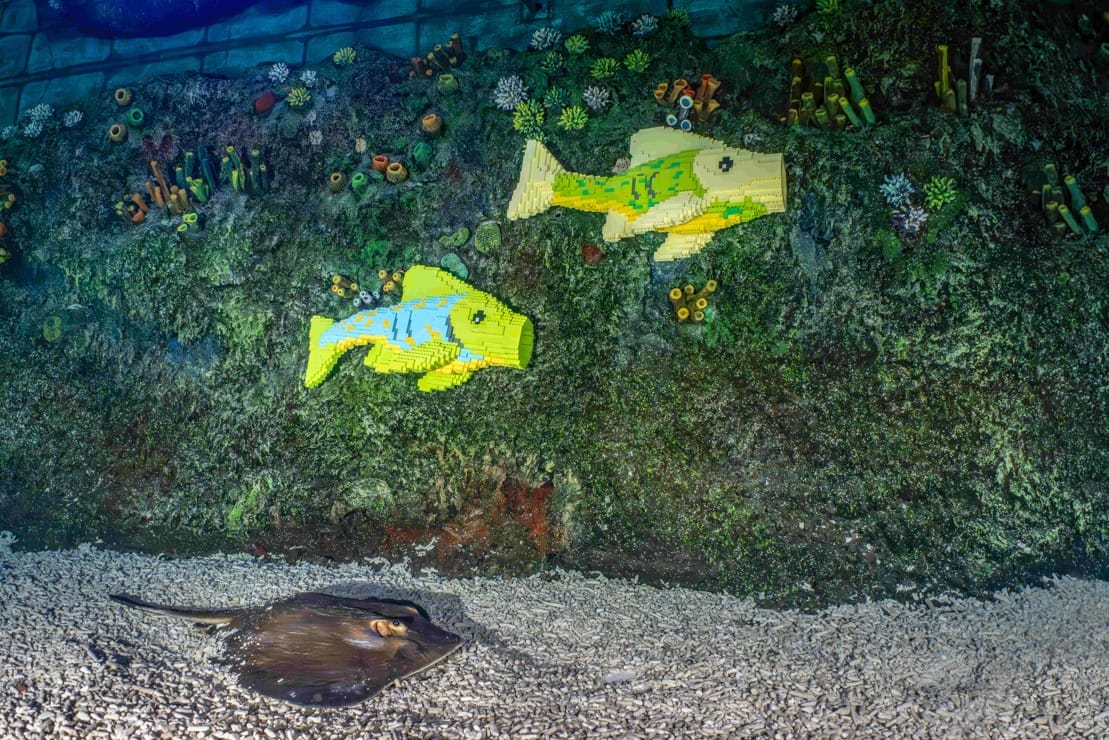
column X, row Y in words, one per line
column 487, row 237
column 452, row 263
column 421, row 154
column 456, row 240
column 52, row 328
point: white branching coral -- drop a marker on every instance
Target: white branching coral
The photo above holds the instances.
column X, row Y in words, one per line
column 279, row 73
column 784, row 15
column 308, row 78
column 40, row 112
column 596, row 97
column 644, row 26
column 545, row 38
column 72, row 118
column 509, row 92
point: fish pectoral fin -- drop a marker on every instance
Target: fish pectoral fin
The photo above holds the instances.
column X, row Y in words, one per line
column 386, row 358
column 442, row 378
column 671, row 212
column 680, row 246
column 376, row 358
column 616, row 227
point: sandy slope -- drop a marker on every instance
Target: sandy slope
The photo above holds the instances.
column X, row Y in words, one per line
column 558, row 655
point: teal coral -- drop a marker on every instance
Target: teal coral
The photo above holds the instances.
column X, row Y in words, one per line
column 557, row 98
column 551, row 63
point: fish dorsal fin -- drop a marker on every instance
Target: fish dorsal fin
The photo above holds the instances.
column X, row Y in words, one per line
column 423, row 282
column 661, row 141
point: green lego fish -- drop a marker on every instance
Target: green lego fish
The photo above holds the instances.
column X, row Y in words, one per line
column 682, row 184
column 444, row 328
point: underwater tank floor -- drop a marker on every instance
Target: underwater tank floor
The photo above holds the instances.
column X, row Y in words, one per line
column 560, row 655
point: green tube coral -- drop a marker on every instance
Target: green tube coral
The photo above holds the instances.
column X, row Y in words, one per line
column 1068, row 217
column 359, row 182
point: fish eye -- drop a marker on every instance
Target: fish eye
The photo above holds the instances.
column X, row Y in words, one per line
column 478, row 317
column 726, row 164
column 396, row 623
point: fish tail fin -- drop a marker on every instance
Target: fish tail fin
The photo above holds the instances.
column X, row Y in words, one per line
column 220, row 617
column 321, row 358
column 535, row 191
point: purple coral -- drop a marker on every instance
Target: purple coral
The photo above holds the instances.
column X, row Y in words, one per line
column 909, row 221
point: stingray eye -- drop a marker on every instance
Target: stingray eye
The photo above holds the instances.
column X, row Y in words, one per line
column 726, row 164
column 396, row 623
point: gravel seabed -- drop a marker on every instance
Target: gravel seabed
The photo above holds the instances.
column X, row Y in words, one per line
column 557, row 655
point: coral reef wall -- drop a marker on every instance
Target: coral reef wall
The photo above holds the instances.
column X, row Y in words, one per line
column 45, row 57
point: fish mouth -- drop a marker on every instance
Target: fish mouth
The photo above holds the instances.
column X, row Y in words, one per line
column 523, row 338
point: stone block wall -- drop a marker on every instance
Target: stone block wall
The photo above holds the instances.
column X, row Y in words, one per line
column 44, row 61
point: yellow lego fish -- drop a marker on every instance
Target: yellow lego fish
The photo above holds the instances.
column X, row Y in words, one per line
column 685, row 185
column 443, row 328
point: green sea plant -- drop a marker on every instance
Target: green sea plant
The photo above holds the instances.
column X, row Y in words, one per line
column 637, row 61
column 678, row 16
column 938, row 192
column 604, row 67
column 528, row 119
column 576, row 44
column 344, row 56
column 299, row 97
column 827, row 6
column 573, row 118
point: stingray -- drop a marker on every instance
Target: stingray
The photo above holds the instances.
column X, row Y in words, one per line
column 316, row 649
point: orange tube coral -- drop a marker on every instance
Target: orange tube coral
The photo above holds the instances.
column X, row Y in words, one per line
column 161, row 180
column 140, row 202
column 380, row 163
column 709, row 85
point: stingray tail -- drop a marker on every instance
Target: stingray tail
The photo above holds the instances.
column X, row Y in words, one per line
column 535, row 191
column 220, row 617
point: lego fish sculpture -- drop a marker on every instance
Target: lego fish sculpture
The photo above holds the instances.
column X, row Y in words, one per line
column 682, row 184
column 443, row 328
column 319, row 650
